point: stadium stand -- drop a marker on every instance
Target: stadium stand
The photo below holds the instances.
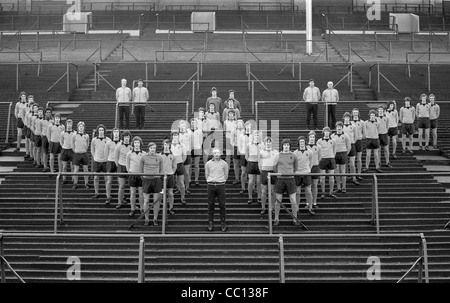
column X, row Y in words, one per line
column 410, row 203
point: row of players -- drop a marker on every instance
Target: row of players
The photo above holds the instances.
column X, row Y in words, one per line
column 350, row 131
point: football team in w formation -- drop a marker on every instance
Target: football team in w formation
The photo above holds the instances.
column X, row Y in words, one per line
column 253, row 156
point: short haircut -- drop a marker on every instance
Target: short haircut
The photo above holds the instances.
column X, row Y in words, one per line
column 166, row 141
column 268, row 139
column 339, row 123
column 301, row 138
column 151, row 144
column 408, row 99
column 311, row 80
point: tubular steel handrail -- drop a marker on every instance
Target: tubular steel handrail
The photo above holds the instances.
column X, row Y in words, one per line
column 375, row 211
column 67, row 75
column 58, row 192
column 281, row 256
column 421, row 262
column 40, row 64
column 141, row 266
column 8, row 123
column 280, row 238
column 299, row 102
column 4, row 262
column 378, row 78
column 148, row 102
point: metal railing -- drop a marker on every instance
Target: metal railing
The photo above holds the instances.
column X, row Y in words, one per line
column 320, row 103
column 423, row 252
column 186, row 116
column 59, row 207
column 40, row 66
column 281, row 263
column 8, row 121
column 374, row 200
column 421, row 263
column 375, row 219
column 4, row 262
column 378, row 78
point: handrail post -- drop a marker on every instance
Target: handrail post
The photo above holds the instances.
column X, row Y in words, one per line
column 375, row 198
column 17, row 77
column 269, row 200
column 281, row 255
column 425, row 256
column 9, row 122
column 370, row 77
column 429, row 77
column 198, row 76
column 187, row 110
column 2, row 263
column 256, row 114
column 59, row 50
column 253, row 97
column 193, row 96
column 116, row 120
column 95, row 77
column 420, row 269
column 164, row 216
column 58, row 184
column 146, row 72
column 351, row 77
column 378, row 77
column 141, row 266
column 299, row 76
column 349, row 51
column 326, row 115
column 100, row 50
column 68, row 76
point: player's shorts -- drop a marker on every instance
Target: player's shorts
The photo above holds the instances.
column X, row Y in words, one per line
column 393, row 131
column 243, row 162
column 152, row 186
column 37, row 139
column 285, row 185
column 265, row 179
column 25, row 131
column 408, row 128
column 31, row 136
column 45, row 144
column 315, row 169
column 111, row 167
column 20, row 123
column 423, row 123
column 384, row 139
column 236, row 155
column 341, row 158
column 188, row 160
column 352, row 151
column 122, row 169
column 66, row 155
column 196, row 153
column 180, row 169
column 304, row 180
column 253, row 168
column 434, row 123
column 170, row 181
column 100, row 167
column 373, row 144
column 358, row 146
column 135, row 181
column 80, row 159
column 54, row 148
column 327, row 164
